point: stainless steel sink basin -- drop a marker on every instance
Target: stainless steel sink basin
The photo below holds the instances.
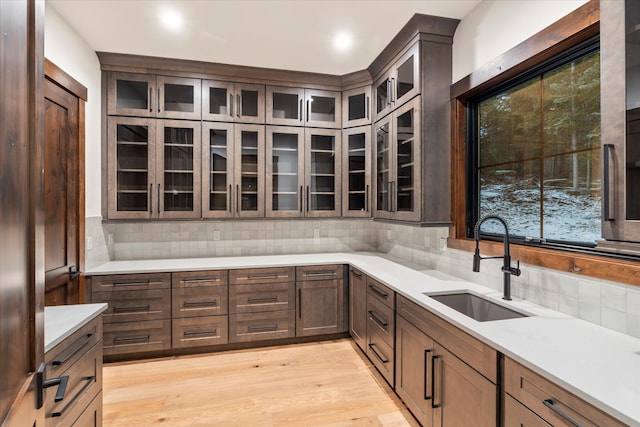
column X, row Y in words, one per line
column 476, row 307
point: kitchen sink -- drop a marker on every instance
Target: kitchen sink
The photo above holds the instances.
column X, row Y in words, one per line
column 476, row 307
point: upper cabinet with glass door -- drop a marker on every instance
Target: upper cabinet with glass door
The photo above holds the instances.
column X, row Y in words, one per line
column 143, row 95
column 232, row 102
column 303, row 107
column 399, row 83
column 356, row 172
column 620, row 121
column 356, row 107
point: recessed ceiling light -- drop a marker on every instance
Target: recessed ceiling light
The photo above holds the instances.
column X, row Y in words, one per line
column 342, row 41
column 171, row 19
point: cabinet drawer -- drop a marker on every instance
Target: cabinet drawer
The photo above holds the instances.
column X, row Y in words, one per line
column 516, row 414
column 380, row 292
column 84, row 383
column 130, row 282
column 381, row 354
column 550, row 401
column 133, row 337
column 69, row 351
column 261, row 297
column 132, row 306
column 381, row 318
column 92, row 415
column 199, row 331
column 319, row 272
column 195, row 279
column 261, row 275
column 199, row 301
column 472, row 351
column 262, row 326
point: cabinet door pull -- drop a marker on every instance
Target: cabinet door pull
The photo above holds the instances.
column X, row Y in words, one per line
column 379, row 292
column 373, row 316
column 262, row 300
column 238, row 105
column 434, row 405
column 308, row 102
column 151, row 100
column 237, row 198
column 131, row 339
column 366, row 106
column 389, row 196
column 263, row 328
column 300, row 111
column 307, row 198
column 194, row 333
column 144, row 283
column 201, row 280
column 206, row 303
column 388, row 92
column 231, row 104
column 262, row 276
column 158, row 100
column 356, row 273
column 301, row 198
column 61, row 382
column 549, row 403
column 87, row 384
column 426, row 374
column 366, row 198
column 230, row 201
column 131, row 308
column 319, row 273
column 151, row 198
column 300, row 303
column 393, row 90
column 383, row 359
column 87, row 339
column 606, row 196
column 159, row 210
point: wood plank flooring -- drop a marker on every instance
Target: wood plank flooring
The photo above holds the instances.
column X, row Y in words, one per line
column 327, row 383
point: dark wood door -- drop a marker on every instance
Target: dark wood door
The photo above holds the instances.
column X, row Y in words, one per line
column 61, row 195
column 21, row 256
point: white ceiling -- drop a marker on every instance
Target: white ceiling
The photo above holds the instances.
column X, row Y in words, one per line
column 282, row 34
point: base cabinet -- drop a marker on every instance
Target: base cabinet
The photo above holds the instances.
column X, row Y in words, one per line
column 320, row 300
column 358, row 308
column 380, row 318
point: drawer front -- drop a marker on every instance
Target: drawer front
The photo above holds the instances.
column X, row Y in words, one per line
column 261, row 275
column 380, row 292
column 92, row 415
column 550, row 401
column 84, row 383
column 472, row 351
column 133, row 337
column 130, row 282
column 516, row 414
column 320, row 272
column 199, row 331
column 381, row 318
column 133, row 306
column 199, row 301
column 262, row 297
column 69, row 351
column 381, row 355
column 195, row 279
column 262, row 326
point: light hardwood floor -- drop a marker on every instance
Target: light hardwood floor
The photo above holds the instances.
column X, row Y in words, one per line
column 328, row 383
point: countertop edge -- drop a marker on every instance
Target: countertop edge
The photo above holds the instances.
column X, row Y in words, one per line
column 63, row 320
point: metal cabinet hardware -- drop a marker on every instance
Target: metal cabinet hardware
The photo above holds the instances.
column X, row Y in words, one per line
column 549, row 403
column 262, row 300
column 263, row 328
column 208, row 303
column 379, row 292
column 606, row 197
column 373, row 347
column 434, row 405
column 373, row 316
column 87, row 384
column 426, row 375
column 194, row 333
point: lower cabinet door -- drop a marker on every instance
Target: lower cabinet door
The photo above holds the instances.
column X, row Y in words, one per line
column 200, row 331
column 134, row 337
column 320, row 307
column 92, row 415
column 262, row 326
column 461, row 396
column 516, row 414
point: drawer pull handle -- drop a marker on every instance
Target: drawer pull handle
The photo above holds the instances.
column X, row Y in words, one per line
column 143, row 283
column 426, row 375
column 76, row 349
column 131, row 308
column 320, row 273
column 263, row 328
column 61, row 382
column 377, row 291
column 201, row 280
column 131, row 339
column 205, row 332
column 262, row 300
column 375, row 352
column 373, row 316
column 356, row 273
column 263, row 276
column 89, row 381
column 434, row 405
column 550, row 404
column 210, row 303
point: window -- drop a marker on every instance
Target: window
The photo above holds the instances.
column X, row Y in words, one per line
column 534, row 148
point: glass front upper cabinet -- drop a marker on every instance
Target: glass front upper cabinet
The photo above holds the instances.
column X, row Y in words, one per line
column 399, row 83
column 323, row 109
column 322, row 173
column 217, row 168
column 303, row 107
column 143, row 95
column 356, row 107
column 233, row 102
column 356, row 171
column 284, row 170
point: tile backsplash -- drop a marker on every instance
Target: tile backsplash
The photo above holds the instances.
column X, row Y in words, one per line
column 610, row 304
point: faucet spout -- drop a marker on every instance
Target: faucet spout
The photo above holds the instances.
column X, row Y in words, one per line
column 507, row 269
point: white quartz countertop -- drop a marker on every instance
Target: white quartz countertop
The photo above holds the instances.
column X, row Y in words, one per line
column 597, row 364
column 63, row 320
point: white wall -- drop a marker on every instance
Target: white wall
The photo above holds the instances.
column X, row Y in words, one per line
column 69, row 51
column 495, row 26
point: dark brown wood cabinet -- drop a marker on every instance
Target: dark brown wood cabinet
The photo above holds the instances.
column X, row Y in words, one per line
column 358, row 307
column 78, row 359
column 444, row 376
column 320, row 300
column 380, row 320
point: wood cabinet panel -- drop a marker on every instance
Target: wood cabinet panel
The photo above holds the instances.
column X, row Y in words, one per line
column 261, row 297
column 381, row 292
column 320, row 307
column 199, row 301
column 249, row 276
column 550, row 401
column 356, row 107
column 199, row 331
column 358, row 308
column 92, row 415
column 516, row 414
column 381, row 354
column 134, row 337
column 196, row 279
column 381, row 318
column 245, row 327
column 133, row 306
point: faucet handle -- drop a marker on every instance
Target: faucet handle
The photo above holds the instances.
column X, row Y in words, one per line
column 514, row 271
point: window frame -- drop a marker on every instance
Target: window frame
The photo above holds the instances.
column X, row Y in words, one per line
column 577, row 27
